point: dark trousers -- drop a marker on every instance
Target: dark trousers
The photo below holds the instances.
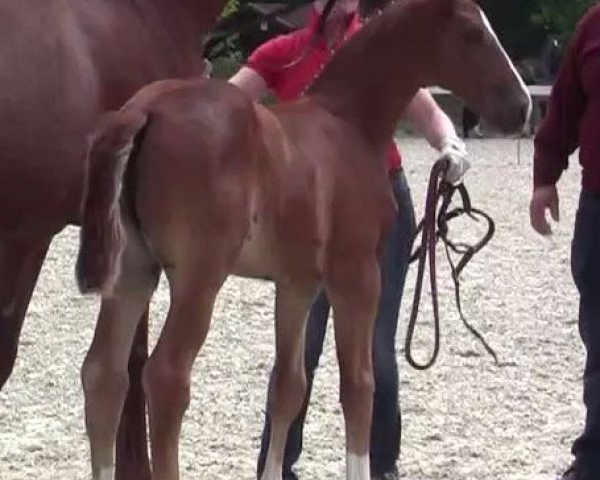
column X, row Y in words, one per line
column 386, row 427
column 585, row 264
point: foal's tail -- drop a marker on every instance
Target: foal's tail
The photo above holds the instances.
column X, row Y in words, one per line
column 102, row 237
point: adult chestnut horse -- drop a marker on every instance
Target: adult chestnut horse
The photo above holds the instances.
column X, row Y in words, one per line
column 63, row 62
column 191, row 178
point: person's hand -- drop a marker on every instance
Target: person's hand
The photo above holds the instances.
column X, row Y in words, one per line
column 543, row 198
column 455, row 150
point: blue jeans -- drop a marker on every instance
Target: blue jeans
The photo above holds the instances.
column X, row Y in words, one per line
column 585, row 264
column 386, row 426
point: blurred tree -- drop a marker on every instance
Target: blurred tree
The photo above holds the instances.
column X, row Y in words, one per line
column 512, row 21
column 560, row 17
column 522, row 25
column 231, row 7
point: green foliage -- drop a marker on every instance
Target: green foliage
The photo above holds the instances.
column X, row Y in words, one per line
column 231, row 7
column 225, row 66
column 522, row 25
column 512, row 21
column 561, row 16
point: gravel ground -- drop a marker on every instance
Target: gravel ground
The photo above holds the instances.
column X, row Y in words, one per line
column 464, row 419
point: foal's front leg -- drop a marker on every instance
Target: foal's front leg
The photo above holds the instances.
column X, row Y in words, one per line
column 288, row 388
column 354, row 288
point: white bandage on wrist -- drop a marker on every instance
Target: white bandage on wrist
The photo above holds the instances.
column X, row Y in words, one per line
column 456, row 151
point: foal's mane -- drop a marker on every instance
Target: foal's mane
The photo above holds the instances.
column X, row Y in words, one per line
column 382, row 26
column 367, row 82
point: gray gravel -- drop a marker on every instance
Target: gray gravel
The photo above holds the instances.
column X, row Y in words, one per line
column 464, row 419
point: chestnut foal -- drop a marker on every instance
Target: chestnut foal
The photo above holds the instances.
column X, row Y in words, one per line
column 191, row 178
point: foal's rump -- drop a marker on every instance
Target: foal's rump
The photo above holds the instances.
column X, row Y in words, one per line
column 189, row 176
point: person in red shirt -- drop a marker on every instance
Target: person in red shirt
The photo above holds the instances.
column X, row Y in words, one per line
column 572, row 121
column 286, row 66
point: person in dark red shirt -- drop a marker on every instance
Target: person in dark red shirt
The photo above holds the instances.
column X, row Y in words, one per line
column 286, row 66
column 572, row 121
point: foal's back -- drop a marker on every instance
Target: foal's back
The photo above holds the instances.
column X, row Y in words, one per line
column 281, row 181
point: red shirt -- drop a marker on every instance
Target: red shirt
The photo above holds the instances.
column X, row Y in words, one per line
column 276, row 61
column 573, row 118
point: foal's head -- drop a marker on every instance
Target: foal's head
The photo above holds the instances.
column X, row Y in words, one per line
column 465, row 56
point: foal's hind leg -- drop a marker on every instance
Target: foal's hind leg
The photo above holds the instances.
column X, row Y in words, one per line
column 166, row 377
column 20, row 263
column 288, row 387
column 105, row 371
column 353, row 289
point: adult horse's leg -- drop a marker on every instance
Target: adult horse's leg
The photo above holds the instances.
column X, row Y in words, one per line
column 20, row 263
column 105, row 375
column 288, row 386
column 132, row 462
column 353, row 289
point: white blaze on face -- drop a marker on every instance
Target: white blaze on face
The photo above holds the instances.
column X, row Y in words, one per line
column 357, row 467
column 487, row 25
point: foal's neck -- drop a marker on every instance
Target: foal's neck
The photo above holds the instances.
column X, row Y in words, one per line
column 372, row 78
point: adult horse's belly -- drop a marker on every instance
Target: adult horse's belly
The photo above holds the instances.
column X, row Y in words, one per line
column 48, row 103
